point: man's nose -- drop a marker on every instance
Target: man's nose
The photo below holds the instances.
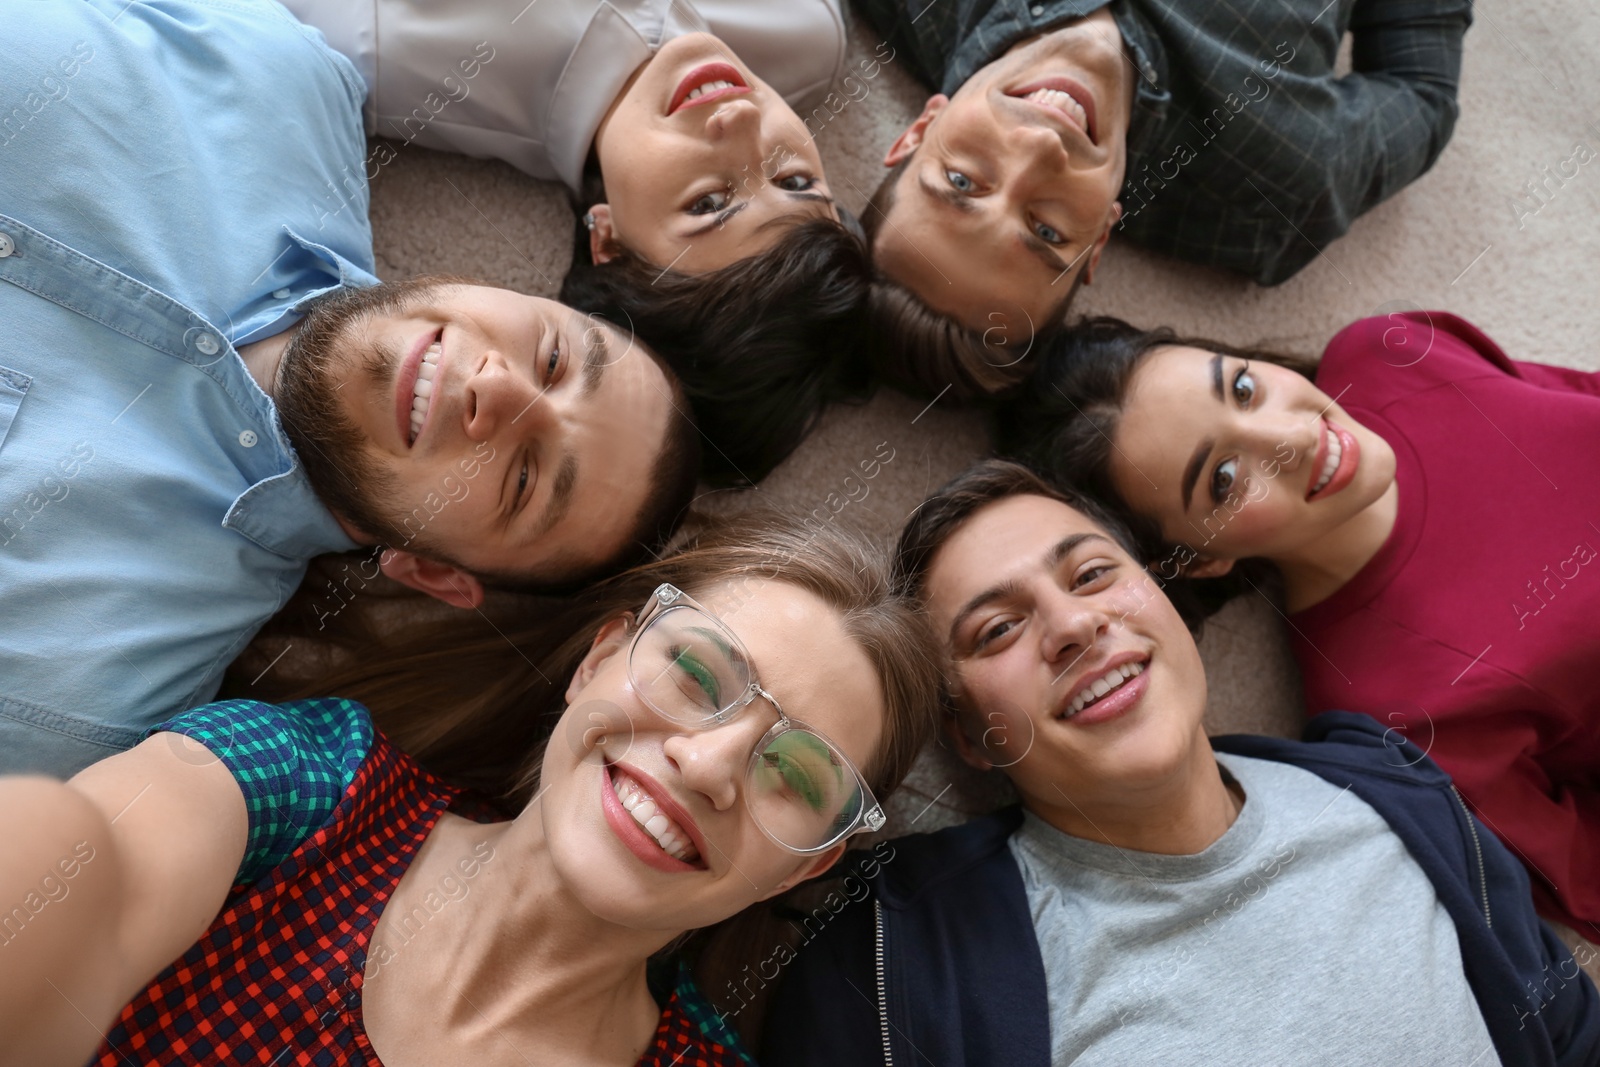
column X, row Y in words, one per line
column 497, row 399
column 1039, row 148
column 1070, row 624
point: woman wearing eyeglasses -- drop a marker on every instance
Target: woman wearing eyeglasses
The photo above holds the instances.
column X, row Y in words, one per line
column 723, row 721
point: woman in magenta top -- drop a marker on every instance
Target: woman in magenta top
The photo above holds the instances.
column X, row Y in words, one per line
column 280, row 885
column 1433, row 509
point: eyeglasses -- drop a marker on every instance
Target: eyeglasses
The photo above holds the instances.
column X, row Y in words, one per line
column 688, row 667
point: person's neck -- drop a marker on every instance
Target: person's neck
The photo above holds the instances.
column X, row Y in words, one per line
column 523, row 959
column 263, row 358
column 1315, row 571
column 1181, row 815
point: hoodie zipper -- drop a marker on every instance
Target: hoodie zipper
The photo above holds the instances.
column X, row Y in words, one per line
column 883, row 988
column 1483, row 877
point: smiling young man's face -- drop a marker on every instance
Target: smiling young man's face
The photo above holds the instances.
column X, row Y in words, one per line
column 703, row 161
column 1011, row 186
column 1074, row 673
column 504, row 433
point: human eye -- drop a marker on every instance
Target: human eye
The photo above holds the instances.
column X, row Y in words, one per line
column 1223, row 478
column 522, row 485
column 991, row 632
column 959, row 182
column 1095, row 573
column 805, row 768
column 1048, row 233
column 712, row 202
column 552, row 363
column 1244, row 386
column 796, row 183
column 695, row 679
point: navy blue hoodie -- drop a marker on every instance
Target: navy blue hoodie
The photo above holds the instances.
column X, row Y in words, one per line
column 939, row 965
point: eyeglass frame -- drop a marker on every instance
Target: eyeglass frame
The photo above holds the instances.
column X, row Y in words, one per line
column 667, row 596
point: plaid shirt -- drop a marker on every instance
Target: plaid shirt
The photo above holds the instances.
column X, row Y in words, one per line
column 336, row 816
column 1245, row 149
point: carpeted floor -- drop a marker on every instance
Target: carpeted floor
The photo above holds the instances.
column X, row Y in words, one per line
column 1469, row 237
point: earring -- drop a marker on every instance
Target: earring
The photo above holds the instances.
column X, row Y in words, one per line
column 588, row 220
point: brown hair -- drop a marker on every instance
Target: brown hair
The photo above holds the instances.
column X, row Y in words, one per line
column 476, row 704
column 927, row 352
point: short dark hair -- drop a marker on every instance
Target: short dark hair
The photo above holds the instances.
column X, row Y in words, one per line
column 927, row 352
column 938, row 518
column 1063, row 422
column 761, row 345
column 333, row 452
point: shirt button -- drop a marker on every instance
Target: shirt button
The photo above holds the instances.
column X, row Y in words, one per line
column 247, row 438
column 208, row 344
column 6, row 245
column 280, row 294
column 1036, row 10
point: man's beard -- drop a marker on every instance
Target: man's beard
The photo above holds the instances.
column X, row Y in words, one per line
column 331, row 447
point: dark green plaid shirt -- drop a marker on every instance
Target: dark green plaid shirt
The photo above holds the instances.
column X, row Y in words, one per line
column 1245, row 149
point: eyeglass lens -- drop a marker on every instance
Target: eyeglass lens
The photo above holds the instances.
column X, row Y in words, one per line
column 800, row 789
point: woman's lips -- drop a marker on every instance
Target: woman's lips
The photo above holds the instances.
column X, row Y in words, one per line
column 1349, row 460
column 702, row 75
column 633, row 836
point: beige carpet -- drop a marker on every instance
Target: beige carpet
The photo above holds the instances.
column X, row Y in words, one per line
column 1456, row 240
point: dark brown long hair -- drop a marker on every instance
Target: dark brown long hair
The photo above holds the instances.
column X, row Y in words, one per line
column 475, row 703
column 1063, row 421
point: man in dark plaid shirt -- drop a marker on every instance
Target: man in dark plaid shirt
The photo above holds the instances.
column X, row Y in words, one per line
column 1217, row 132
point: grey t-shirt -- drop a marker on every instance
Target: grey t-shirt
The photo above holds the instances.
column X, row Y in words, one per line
column 1306, row 934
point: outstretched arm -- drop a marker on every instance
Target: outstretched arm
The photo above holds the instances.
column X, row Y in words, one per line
column 104, row 880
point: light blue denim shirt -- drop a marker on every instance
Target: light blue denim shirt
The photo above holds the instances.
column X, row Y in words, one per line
column 176, row 177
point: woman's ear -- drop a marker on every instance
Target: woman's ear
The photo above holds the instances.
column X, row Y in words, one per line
column 612, row 638
column 1207, row 567
column 910, row 138
column 810, row 869
column 603, row 247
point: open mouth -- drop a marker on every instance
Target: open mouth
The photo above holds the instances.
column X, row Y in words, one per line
column 706, row 83
column 647, row 813
column 1336, row 459
column 1102, row 687
column 422, row 389
column 1066, row 98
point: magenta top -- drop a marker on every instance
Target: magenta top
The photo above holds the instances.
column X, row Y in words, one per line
column 1475, row 630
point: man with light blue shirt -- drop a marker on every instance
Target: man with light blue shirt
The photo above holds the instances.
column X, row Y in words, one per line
column 202, row 385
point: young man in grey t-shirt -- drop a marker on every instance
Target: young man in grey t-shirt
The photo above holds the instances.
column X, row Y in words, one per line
column 1158, row 898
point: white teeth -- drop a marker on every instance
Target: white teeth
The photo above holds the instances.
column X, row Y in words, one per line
column 422, row 391
column 1330, row 464
column 708, row 87
column 1065, row 101
column 1101, row 686
column 672, row 838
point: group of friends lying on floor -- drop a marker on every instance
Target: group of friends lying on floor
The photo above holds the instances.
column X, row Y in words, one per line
column 602, row 810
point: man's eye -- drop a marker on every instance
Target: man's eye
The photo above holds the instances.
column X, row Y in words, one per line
column 1222, row 479
column 960, row 182
column 552, row 363
column 1048, row 234
column 796, row 183
column 994, row 633
column 522, row 484
column 1244, row 386
column 1092, row 575
column 711, row 202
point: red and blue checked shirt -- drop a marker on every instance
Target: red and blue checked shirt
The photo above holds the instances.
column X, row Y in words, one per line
column 336, row 814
